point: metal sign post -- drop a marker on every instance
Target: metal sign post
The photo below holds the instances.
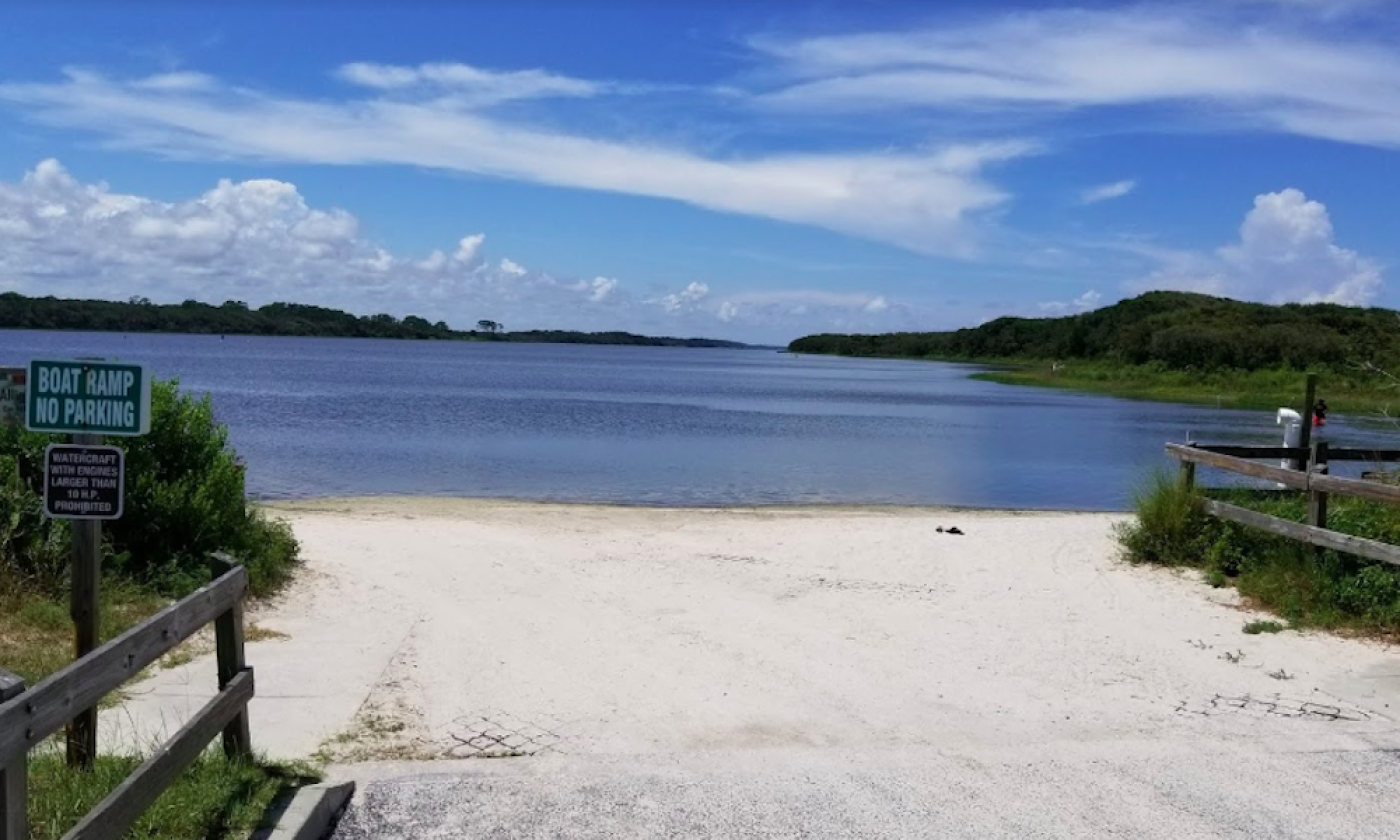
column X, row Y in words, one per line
column 87, row 583
column 87, row 398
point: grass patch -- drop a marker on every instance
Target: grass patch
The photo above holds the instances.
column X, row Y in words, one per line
column 214, row 798
column 258, row 633
column 1254, row 628
column 36, row 632
column 1327, row 590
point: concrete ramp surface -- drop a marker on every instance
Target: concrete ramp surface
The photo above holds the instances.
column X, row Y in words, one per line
column 1137, row 790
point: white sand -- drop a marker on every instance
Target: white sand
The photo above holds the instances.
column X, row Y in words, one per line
column 448, row 628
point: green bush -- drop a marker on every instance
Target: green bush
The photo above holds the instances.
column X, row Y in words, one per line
column 184, row 500
column 1169, row 524
column 1325, row 589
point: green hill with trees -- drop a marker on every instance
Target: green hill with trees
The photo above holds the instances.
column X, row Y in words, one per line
column 290, row 319
column 1171, row 345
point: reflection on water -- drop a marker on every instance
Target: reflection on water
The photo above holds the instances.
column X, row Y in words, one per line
column 657, row 425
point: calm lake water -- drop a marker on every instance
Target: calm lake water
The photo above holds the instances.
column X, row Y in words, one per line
column 658, row 425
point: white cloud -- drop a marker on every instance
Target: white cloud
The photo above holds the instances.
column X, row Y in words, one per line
column 258, row 241
column 480, row 87
column 1104, row 192
column 468, row 248
column 919, row 199
column 601, row 288
column 1267, row 73
column 822, row 311
column 176, row 81
column 686, row 298
column 1083, row 303
column 1286, row 252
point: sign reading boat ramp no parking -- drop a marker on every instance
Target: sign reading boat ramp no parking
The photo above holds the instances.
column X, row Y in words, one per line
column 98, row 398
column 83, row 482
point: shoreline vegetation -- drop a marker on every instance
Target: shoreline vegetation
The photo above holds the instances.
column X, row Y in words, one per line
column 1172, row 347
column 185, row 499
column 1258, row 389
column 1326, row 590
column 140, row 315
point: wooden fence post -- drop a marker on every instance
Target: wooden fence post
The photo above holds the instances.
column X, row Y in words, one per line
column 228, row 637
column 1187, row 480
column 1317, row 499
column 14, row 778
column 1309, row 398
column 1188, row 476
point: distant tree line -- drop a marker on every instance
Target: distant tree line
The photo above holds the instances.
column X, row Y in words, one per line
column 290, row 319
column 1173, row 329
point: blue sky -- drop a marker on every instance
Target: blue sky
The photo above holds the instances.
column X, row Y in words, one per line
column 754, row 171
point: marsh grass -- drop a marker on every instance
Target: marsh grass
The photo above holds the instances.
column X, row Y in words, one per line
column 1256, row 389
column 1307, row 588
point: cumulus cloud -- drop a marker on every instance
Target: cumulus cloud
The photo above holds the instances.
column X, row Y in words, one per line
column 1104, row 192
column 601, row 288
column 1254, row 70
column 1286, row 252
column 254, row 240
column 824, row 311
column 259, row 241
column 686, row 298
column 468, row 248
column 921, row 199
column 1083, row 303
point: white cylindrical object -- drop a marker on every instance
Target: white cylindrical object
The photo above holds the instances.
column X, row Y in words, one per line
column 1292, row 423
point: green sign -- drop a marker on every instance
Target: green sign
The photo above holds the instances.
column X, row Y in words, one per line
column 99, row 398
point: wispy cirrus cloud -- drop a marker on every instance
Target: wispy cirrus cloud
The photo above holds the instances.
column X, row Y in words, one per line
column 1251, row 71
column 482, row 86
column 1105, row 192
column 921, row 199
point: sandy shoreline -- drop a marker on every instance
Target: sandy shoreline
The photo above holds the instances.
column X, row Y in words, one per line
column 433, row 628
column 457, row 505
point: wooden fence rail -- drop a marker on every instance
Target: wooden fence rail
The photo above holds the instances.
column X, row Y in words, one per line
column 27, row 717
column 1313, row 480
column 1297, row 453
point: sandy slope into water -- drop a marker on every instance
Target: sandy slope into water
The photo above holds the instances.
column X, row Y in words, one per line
column 452, row 628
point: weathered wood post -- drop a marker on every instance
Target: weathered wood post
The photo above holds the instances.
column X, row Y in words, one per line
column 1187, row 478
column 1309, row 399
column 87, row 577
column 14, row 776
column 228, row 639
column 1317, row 499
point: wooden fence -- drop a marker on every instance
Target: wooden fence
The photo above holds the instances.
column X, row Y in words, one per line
column 29, row 717
column 1312, row 479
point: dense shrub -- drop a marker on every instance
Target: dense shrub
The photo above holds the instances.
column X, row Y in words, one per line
column 1178, row 330
column 1326, row 589
column 184, row 500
